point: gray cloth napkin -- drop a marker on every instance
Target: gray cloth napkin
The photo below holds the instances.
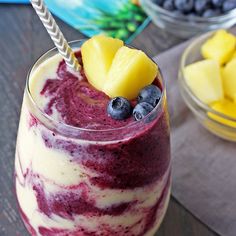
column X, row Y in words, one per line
column 204, row 166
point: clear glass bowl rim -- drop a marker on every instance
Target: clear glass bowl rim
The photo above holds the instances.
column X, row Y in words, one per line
column 202, row 105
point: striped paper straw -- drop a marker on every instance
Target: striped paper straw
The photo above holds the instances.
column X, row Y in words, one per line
column 55, row 34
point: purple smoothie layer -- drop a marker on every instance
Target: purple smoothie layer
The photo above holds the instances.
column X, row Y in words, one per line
column 130, row 163
column 71, row 206
column 68, row 206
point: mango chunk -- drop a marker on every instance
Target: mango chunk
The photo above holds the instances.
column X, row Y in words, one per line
column 227, row 108
column 97, row 55
column 220, row 47
column 229, row 79
column 204, row 80
column 131, row 70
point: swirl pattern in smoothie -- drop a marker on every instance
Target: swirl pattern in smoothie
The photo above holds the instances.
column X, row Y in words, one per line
column 78, row 186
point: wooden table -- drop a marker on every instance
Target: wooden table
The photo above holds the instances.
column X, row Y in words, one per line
column 22, row 40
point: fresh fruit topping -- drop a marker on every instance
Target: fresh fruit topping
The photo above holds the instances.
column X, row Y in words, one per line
column 97, row 55
column 150, row 94
column 220, row 47
column 227, row 108
column 119, row 108
column 229, row 79
column 204, row 80
column 141, row 110
column 184, row 5
column 131, row 70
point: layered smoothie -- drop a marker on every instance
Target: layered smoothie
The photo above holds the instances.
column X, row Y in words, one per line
column 80, row 172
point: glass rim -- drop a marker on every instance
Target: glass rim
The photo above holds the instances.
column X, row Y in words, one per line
column 201, row 104
column 199, row 19
column 79, row 129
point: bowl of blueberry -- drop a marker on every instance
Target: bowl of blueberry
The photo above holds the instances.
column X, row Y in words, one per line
column 186, row 18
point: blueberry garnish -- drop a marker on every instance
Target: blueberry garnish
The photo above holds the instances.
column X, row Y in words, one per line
column 141, row 110
column 150, row 94
column 184, row 5
column 119, row 108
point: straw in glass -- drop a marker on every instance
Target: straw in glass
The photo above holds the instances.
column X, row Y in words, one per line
column 55, row 34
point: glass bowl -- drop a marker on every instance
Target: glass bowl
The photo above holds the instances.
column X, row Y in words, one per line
column 200, row 110
column 184, row 26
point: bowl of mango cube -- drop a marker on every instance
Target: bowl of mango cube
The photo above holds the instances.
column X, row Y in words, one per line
column 207, row 81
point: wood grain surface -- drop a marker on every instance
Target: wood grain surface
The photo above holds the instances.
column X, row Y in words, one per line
column 22, row 40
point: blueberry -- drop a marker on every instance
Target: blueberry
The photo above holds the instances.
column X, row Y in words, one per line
column 211, row 13
column 159, row 2
column 141, row 110
column 184, row 6
column 201, row 5
column 229, row 5
column 150, row 94
column 168, row 5
column 217, row 3
column 119, row 108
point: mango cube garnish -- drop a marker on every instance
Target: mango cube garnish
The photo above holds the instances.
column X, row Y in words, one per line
column 97, row 54
column 131, row 70
column 204, row 80
column 115, row 69
column 220, row 47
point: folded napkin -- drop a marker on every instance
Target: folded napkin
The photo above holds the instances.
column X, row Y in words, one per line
column 204, row 166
